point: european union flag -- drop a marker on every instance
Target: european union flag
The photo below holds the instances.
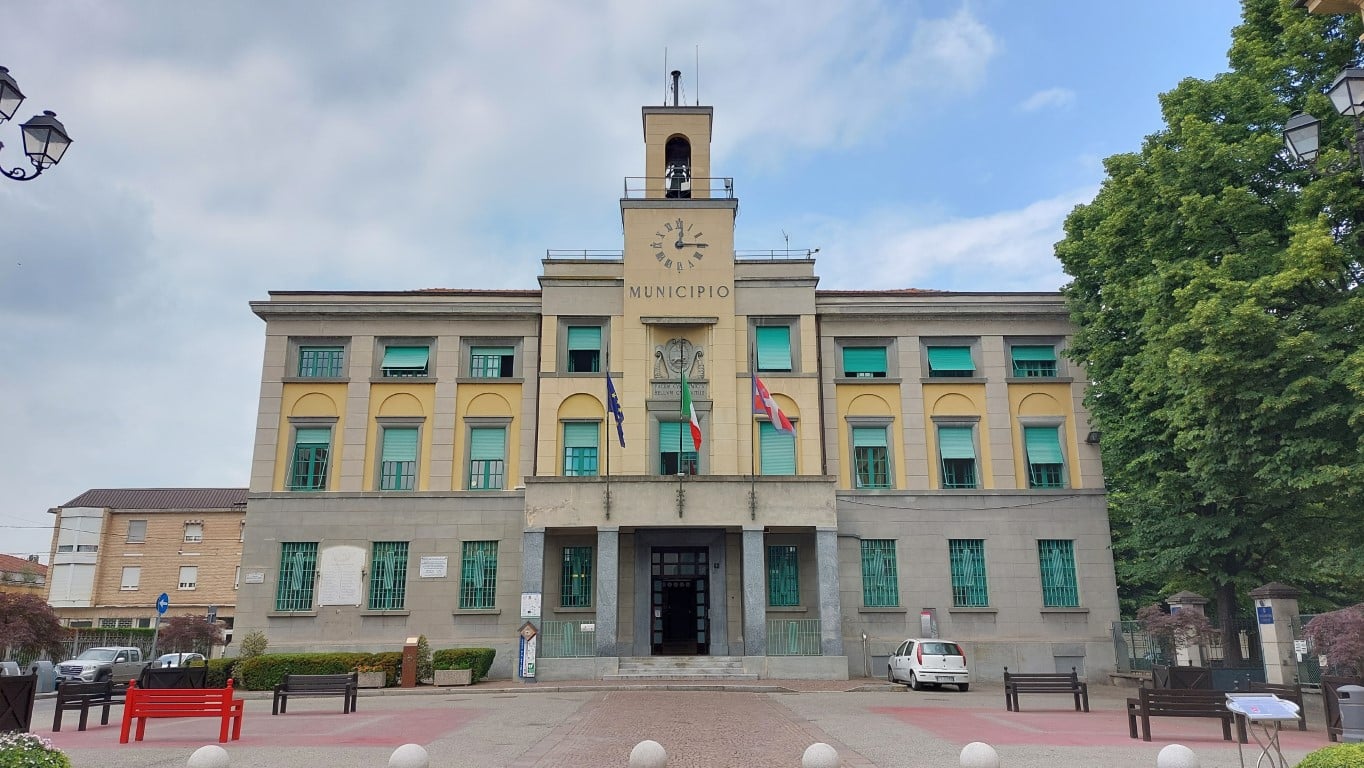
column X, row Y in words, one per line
column 613, row 403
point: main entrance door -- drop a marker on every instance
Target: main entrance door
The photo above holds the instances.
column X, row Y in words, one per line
column 680, row 616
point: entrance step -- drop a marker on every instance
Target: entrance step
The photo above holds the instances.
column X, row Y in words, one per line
column 722, row 668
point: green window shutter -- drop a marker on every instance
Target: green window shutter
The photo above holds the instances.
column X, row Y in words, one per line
column 774, row 347
column 1035, row 353
column 670, row 436
column 575, row 587
column 783, row 576
column 968, row 573
column 950, row 359
column 778, row 450
column 313, row 436
column 388, row 576
column 1043, row 445
column 400, row 444
column 581, row 337
column 864, row 361
column 956, row 443
column 1057, row 560
column 487, row 444
column 407, row 358
column 869, row 437
column 581, row 434
column 491, row 351
column 880, row 576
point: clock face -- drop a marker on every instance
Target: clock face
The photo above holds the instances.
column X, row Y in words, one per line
column 680, row 245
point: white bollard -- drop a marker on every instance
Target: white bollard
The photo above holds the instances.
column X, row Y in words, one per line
column 648, row 754
column 1176, row 756
column 409, row 756
column 208, row 756
column 819, row 755
column 978, row 754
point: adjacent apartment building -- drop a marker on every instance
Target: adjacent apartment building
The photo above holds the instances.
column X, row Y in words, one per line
column 22, row 576
column 116, row 550
column 678, row 449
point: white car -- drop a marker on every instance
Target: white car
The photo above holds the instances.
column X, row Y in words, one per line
column 928, row 661
column 179, row 660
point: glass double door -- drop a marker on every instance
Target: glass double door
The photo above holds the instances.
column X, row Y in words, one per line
column 679, row 604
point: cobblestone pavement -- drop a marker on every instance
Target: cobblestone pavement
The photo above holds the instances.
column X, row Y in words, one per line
column 771, row 723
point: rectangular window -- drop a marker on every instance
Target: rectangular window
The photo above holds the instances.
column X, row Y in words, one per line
column 321, row 362
column 584, row 349
column 137, row 531
column 194, row 532
column 575, row 589
column 189, row 576
column 308, row 470
column 405, row 361
column 388, row 576
column 487, row 454
column 950, row 362
column 580, row 448
column 491, row 362
column 670, row 447
column 1045, row 462
column 115, row 623
column 968, row 573
column 478, row 575
column 297, row 572
column 880, row 577
column 778, row 450
column 864, row 362
column 958, row 450
column 144, row 623
column 132, row 575
column 1033, row 361
column 774, row 347
column 783, row 576
column 1057, row 559
column 871, row 458
column 398, row 459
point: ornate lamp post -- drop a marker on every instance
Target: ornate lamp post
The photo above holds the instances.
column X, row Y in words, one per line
column 45, row 139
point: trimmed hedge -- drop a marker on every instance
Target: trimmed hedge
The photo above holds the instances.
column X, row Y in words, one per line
column 1336, row 756
column 219, row 670
column 480, row 660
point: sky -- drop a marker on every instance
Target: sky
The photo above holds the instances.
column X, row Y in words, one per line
column 224, row 150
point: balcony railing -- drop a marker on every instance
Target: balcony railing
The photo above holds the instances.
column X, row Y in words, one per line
column 659, row 187
column 793, row 637
column 569, row 639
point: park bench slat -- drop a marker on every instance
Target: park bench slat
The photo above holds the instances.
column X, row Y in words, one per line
column 1045, row 682
column 347, row 686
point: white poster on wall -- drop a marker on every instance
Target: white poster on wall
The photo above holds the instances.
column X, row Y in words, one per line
column 433, row 566
column 340, row 579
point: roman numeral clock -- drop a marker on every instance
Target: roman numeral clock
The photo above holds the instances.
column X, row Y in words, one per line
column 679, row 245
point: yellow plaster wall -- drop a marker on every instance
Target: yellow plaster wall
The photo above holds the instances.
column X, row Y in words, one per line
column 658, row 128
column 869, row 400
column 1045, row 400
column 488, row 400
column 310, row 400
column 399, row 400
column 958, row 400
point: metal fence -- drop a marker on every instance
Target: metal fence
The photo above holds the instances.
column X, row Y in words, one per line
column 568, row 639
column 793, row 637
column 1309, row 666
column 1135, row 649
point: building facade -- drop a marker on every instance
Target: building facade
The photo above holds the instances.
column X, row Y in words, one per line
column 455, row 463
column 22, row 576
column 116, row 550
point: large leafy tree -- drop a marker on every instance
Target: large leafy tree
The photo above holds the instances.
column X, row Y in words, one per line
column 1215, row 288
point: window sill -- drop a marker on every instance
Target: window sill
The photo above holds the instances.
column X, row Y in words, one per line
column 1038, row 380
column 787, row 609
column 867, row 380
column 395, row 612
column 315, row 379
column 972, row 609
column 953, row 380
column 588, row 609
column 882, row 609
column 291, row 614
column 1065, row 610
column 476, row 612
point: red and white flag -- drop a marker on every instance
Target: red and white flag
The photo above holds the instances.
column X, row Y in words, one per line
column 763, row 403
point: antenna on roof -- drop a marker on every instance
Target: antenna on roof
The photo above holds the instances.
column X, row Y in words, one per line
column 665, row 75
column 698, row 74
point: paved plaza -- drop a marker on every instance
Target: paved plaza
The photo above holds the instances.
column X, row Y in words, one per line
column 765, row 725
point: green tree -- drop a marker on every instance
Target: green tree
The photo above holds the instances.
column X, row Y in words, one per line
column 1215, row 290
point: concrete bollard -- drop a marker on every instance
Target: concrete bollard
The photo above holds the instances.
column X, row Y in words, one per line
column 648, row 754
column 208, row 756
column 978, row 754
column 409, row 756
column 1176, row 756
column 819, row 755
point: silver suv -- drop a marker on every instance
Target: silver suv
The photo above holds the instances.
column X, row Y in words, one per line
column 120, row 664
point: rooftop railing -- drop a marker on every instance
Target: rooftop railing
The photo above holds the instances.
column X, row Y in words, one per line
column 663, row 188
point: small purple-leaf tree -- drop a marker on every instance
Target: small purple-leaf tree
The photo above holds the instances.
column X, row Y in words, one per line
column 1339, row 636
column 1177, row 629
column 189, row 632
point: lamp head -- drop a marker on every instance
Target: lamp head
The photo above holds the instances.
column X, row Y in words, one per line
column 1302, row 136
column 10, row 97
column 45, row 139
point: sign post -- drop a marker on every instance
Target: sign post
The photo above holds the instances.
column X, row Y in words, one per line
column 162, row 603
column 526, row 661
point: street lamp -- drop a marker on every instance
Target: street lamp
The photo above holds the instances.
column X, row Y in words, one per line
column 45, row 139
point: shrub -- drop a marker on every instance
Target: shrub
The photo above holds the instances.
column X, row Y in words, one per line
column 480, row 660
column 219, row 670
column 424, row 665
column 254, row 644
column 27, row 750
column 262, row 673
column 1335, row 756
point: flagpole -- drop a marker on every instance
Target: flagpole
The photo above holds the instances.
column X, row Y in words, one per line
column 606, row 436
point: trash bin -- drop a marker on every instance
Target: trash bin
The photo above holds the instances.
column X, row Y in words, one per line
column 47, row 675
column 1351, row 699
column 9, row 668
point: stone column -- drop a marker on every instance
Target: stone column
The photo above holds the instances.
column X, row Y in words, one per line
column 830, row 605
column 755, row 595
column 1188, row 655
column 1276, row 610
column 608, row 590
column 533, row 567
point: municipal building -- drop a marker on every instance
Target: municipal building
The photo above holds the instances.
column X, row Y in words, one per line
column 452, row 463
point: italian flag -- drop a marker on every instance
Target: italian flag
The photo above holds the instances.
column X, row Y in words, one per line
column 689, row 412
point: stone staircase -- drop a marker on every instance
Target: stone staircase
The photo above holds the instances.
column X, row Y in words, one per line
column 707, row 668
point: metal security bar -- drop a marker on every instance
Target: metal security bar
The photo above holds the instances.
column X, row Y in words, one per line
column 478, row 575
column 880, row 577
column 1059, row 588
column 794, row 637
column 297, row 572
column 388, row 576
column 783, row 576
column 575, row 589
column 968, row 573
column 575, row 639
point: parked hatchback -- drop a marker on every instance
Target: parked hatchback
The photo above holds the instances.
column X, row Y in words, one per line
column 924, row 661
column 180, row 660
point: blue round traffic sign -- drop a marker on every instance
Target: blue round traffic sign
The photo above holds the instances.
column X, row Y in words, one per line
column 162, row 603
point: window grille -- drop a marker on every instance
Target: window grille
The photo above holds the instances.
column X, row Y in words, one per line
column 297, row 572
column 968, row 573
column 783, row 576
column 575, row 591
column 880, row 577
column 478, row 575
column 1057, row 559
column 388, row 576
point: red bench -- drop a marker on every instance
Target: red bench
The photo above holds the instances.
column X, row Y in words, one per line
column 144, row 703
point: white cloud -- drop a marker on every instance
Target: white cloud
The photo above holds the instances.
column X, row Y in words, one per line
column 1049, row 98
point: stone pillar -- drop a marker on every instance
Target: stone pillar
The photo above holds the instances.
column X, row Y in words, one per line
column 1188, row 655
column 608, row 590
column 755, row 594
column 533, row 568
column 830, row 605
column 1276, row 610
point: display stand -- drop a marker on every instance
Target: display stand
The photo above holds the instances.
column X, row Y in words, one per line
column 1266, row 711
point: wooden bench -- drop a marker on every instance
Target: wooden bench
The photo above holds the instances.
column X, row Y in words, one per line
column 1291, row 693
column 347, row 686
column 144, row 703
column 1164, row 702
column 1044, row 682
column 73, row 696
